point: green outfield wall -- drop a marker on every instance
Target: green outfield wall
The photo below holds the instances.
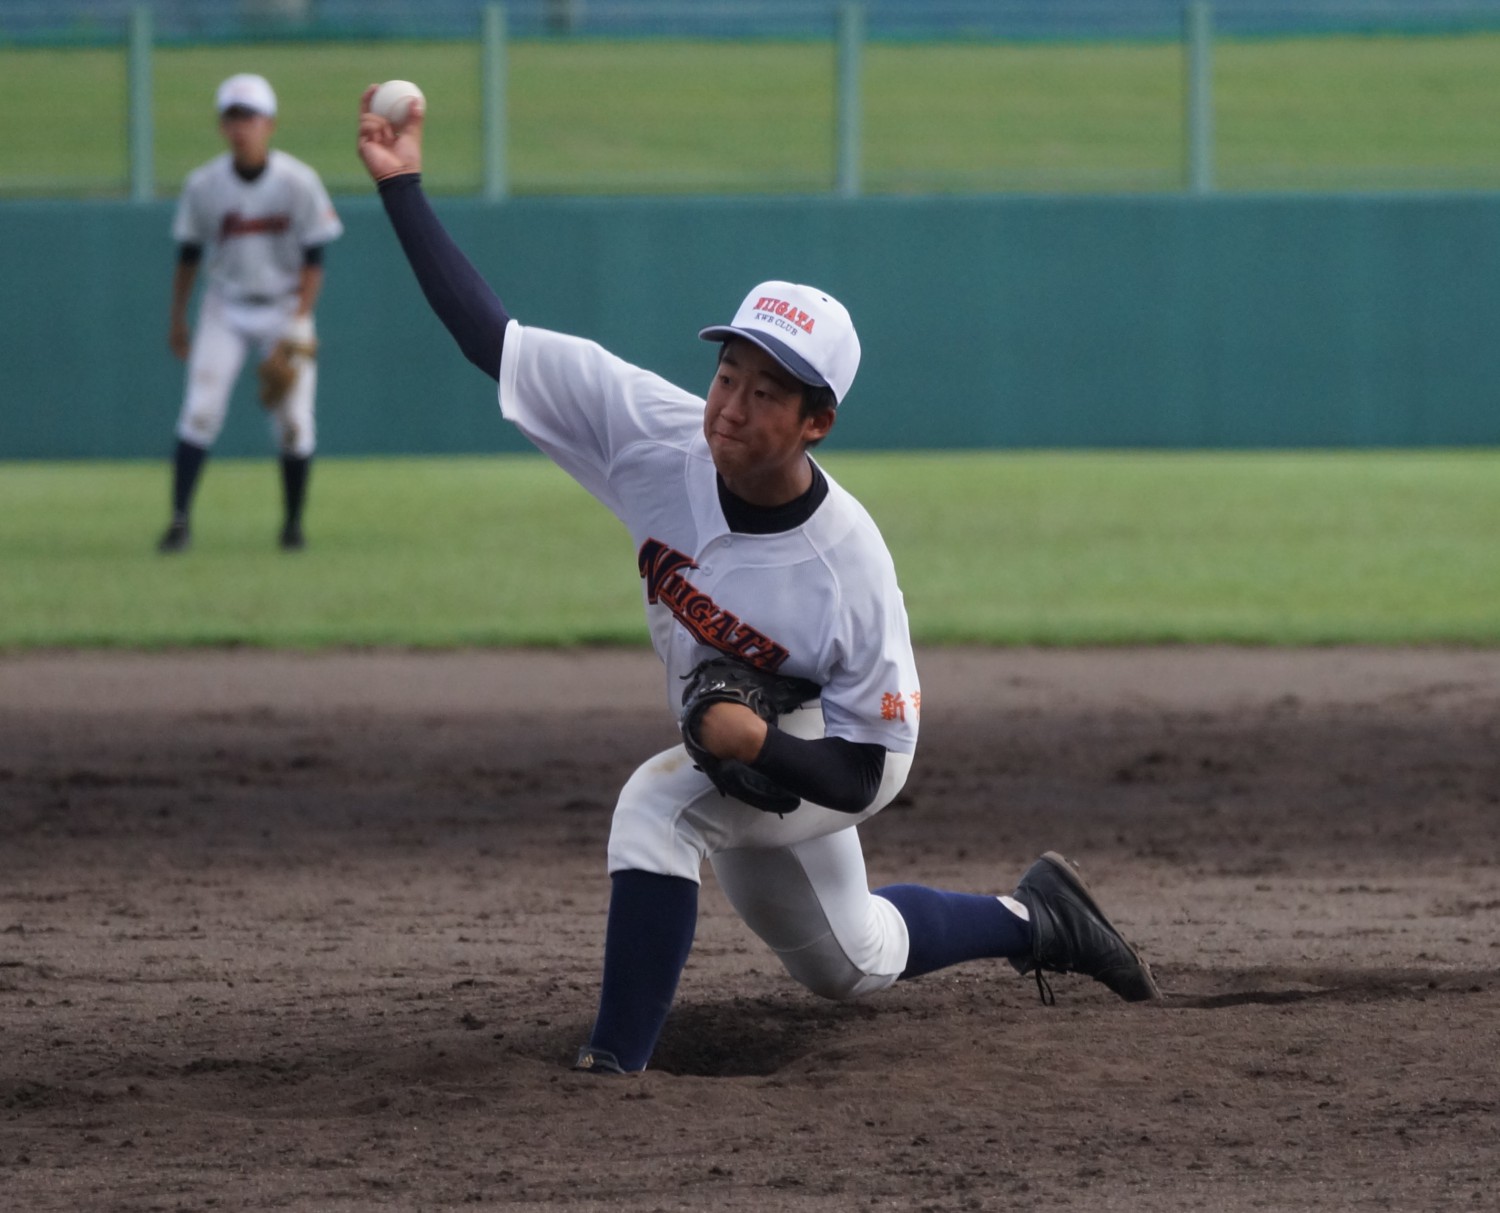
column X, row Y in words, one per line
column 1158, row 321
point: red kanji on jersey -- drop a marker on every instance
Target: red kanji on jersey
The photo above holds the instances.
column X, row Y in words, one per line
column 893, row 706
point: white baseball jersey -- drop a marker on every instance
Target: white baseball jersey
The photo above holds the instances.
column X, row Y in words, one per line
column 820, row 601
column 255, row 232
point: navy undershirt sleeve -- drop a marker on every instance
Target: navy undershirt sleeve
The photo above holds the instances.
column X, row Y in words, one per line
column 838, row 774
column 462, row 299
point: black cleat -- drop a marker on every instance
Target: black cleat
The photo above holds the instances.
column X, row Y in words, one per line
column 597, row 1061
column 291, row 537
column 177, row 537
column 1070, row 934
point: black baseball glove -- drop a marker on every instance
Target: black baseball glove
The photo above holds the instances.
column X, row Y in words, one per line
column 724, row 680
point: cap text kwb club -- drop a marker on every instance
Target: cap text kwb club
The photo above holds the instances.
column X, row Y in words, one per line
column 783, row 314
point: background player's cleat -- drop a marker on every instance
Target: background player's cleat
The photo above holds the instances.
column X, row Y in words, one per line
column 597, row 1061
column 177, row 537
column 1070, row 933
column 291, row 537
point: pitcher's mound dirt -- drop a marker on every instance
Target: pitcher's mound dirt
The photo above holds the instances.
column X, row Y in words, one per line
column 322, row 933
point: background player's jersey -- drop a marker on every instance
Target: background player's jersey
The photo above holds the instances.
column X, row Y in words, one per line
column 819, row 601
column 254, row 232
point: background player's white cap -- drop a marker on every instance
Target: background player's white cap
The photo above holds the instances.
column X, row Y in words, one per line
column 807, row 331
column 249, row 92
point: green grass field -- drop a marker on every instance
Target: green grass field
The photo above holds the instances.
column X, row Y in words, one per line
column 671, row 116
column 1004, row 549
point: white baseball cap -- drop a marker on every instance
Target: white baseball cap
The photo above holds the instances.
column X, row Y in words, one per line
column 806, row 330
column 249, row 92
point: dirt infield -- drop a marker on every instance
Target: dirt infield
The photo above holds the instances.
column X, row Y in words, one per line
column 321, row 933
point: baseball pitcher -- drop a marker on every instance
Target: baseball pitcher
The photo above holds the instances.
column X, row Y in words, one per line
column 775, row 609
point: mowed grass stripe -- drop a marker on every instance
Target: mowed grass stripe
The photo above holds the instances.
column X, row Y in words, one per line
column 992, row 548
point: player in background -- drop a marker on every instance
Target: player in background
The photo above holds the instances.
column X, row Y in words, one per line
column 746, row 546
column 258, row 219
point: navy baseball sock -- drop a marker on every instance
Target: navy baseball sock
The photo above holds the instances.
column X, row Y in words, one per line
column 187, row 463
column 946, row 928
column 294, row 474
column 652, row 919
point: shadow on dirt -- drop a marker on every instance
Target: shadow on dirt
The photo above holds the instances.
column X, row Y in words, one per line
column 1281, row 987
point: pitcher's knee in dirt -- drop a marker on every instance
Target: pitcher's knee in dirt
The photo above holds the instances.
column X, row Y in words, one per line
column 826, row 971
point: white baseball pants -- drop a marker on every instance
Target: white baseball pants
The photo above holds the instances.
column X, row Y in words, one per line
column 797, row 881
column 225, row 333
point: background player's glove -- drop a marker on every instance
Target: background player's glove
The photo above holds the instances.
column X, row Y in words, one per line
column 722, row 680
column 279, row 372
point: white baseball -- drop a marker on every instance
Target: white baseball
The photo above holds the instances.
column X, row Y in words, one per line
column 392, row 101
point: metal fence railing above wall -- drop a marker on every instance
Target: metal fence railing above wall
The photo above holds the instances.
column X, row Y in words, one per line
column 200, row 20
column 825, row 96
